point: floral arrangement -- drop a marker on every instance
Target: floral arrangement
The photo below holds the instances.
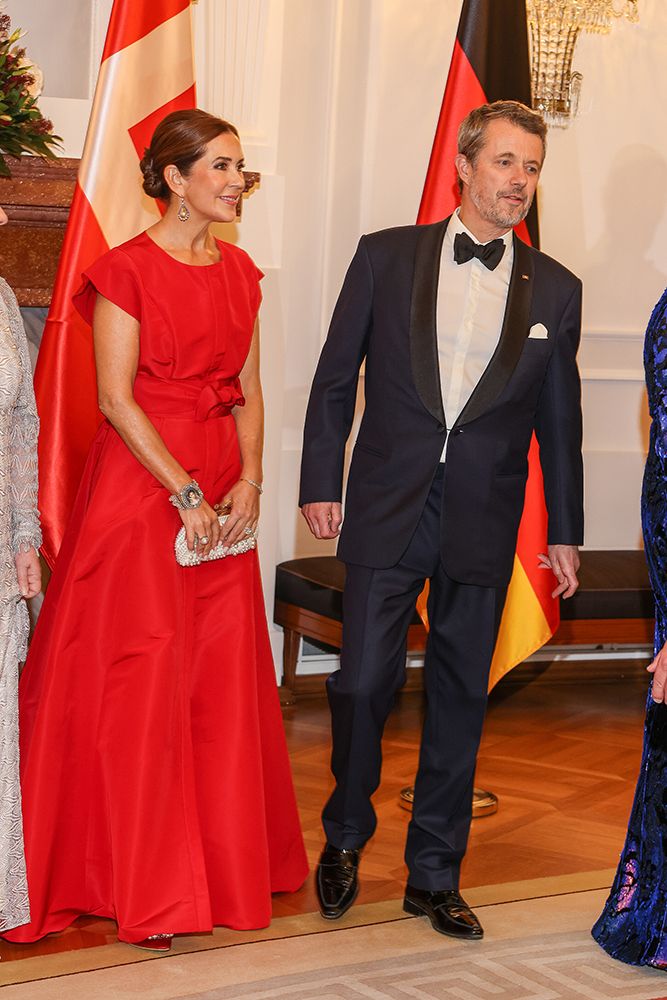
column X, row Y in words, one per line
column 23, row 128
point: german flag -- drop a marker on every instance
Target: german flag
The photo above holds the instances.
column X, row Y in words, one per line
column 491, row 62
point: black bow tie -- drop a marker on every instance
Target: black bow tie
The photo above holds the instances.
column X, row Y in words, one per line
column 490, row 254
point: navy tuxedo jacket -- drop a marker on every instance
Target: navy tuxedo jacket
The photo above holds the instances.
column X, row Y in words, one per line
column 386, row 315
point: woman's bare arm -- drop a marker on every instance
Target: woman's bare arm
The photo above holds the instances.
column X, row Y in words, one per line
column 250, row 429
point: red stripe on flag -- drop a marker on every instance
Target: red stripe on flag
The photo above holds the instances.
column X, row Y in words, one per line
column 532, row 535
column 65, row 383
column 142, row 132
column 130, row 21
column 463, row 93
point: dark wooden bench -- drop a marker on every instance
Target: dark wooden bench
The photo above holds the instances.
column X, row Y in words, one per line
column 613, row 606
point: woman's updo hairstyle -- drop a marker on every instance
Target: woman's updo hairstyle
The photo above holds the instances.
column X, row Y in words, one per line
column 180, row 138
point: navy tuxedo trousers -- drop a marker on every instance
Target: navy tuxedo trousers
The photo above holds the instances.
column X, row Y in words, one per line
column 378, row 605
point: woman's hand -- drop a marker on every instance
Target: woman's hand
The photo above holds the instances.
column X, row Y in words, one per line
column 29, row 572
column 659, row 670
column 243, row 503
column 201, row 523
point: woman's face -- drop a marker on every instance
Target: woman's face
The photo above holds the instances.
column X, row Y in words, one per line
column 216, row 182
column 3, row 216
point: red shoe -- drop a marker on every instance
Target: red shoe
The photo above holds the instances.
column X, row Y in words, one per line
column 156, row 942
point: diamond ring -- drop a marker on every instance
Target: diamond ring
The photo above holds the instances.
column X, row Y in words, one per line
column 247, row 531
column 204, row 539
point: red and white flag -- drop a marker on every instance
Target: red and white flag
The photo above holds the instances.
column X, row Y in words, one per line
column 147, row 71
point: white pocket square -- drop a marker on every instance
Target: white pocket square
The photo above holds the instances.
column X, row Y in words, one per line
column 539, row 332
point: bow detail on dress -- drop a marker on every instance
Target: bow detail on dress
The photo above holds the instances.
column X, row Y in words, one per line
column 218, row 398
column 199, row 398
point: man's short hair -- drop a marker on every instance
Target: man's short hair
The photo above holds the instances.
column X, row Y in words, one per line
column 472, row 130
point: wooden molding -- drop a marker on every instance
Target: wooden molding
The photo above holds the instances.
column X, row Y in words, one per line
column 37, row 199
column 582, row 632
column 610, row 670
column 604, row 631
column 297, row 622
column 35, row 168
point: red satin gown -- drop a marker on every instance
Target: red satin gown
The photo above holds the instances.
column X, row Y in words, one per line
column 156, row 782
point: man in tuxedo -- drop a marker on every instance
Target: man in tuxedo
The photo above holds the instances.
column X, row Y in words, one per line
column 469, row 338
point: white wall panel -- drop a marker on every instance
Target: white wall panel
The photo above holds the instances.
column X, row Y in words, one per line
column 612, row 498
column 58, row 38
column 65, row 39
column 337, row 102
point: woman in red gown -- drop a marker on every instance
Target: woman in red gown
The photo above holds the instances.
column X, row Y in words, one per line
column 156, row 782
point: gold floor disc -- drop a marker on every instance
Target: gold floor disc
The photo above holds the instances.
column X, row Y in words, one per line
column 483, row 803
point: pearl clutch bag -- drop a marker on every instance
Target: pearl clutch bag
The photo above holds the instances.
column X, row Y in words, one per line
column 190, row 557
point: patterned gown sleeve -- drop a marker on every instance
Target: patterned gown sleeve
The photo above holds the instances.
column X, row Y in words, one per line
column 25, row 524
column 655, row 363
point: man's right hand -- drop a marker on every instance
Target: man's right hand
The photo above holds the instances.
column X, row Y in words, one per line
column 324, row 518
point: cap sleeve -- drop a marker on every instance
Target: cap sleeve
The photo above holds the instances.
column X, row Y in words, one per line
column 255, row 291
column 114, row 276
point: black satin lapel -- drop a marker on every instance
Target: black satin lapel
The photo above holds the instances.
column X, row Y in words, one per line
column 423, row 318
column 512, row 338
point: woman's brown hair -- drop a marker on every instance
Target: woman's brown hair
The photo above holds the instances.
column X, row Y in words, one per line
column 180, row 138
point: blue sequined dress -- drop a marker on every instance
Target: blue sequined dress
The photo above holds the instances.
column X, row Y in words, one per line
column 633, row 924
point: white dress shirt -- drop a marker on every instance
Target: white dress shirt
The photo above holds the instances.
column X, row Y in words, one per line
column 470, row 312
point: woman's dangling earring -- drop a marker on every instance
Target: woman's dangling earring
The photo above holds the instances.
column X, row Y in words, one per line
column 184, row 211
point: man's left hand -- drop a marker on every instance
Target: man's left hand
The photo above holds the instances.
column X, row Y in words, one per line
column 563, row 561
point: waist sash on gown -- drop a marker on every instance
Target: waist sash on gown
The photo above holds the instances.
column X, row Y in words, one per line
column 198, row 398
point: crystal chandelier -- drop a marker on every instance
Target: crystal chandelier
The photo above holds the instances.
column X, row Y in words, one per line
column 554, row 29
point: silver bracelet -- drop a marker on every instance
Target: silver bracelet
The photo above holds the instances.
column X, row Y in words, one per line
column 189, row 498
column 258, row 486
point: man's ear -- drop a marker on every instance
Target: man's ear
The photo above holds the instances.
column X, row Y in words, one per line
column 463, row 167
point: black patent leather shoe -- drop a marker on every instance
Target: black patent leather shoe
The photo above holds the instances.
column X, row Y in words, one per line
column 336, row 881
column 447, row 910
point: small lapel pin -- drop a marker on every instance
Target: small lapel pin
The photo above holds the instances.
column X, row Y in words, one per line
column 525, row 277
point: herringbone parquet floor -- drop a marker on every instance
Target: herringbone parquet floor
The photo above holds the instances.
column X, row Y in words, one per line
column 562, row 758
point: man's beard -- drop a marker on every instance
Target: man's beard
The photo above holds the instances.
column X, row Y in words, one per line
column 492, row 210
